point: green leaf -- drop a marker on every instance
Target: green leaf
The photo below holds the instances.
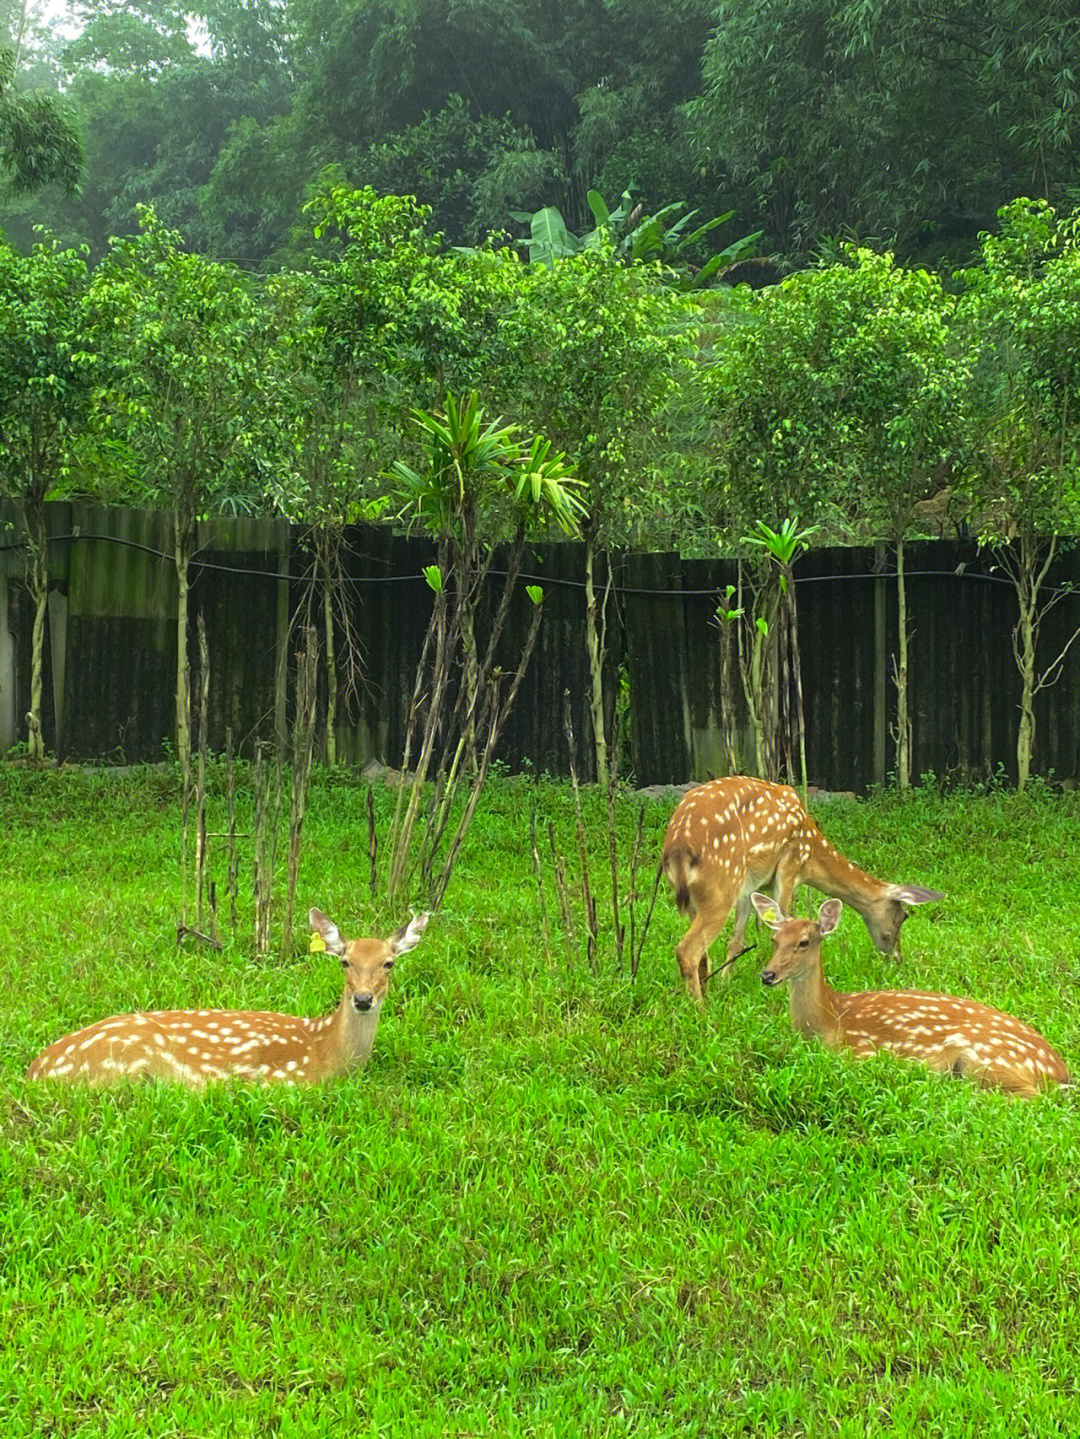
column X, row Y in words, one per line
column 598, row 207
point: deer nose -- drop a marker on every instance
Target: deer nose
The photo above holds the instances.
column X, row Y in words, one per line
column 768, row 976
column 363, row 1002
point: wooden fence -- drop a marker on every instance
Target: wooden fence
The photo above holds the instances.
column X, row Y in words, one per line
column 111, row 646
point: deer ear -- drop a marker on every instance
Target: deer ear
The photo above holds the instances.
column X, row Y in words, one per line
column 828, row 916
column 328, row 929
column 913, row 893
column 768, row 911
column 408, row 936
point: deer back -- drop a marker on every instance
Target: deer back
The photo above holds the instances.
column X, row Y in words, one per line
column 191, row 1046
column 733, row 831
column 951, row 1034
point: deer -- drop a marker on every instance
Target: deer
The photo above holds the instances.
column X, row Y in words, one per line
column 195, row 1046
column 735, row 835
column 953, row 1036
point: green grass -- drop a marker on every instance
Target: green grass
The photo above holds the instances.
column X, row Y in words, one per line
column 554, row 1203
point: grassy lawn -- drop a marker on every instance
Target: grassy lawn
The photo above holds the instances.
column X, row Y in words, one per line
column 554, row 1203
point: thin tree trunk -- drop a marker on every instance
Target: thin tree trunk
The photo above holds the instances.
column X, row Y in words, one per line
column 183, row 701
column 1025, row 738
column 230, row 795
column 200, row 786
column 759, row 717
column 307, row 662
column 796, row 664
column 1028, row 574
column 402, row 838
column 331, row 670
column 751, row 674
column 727, row 693
column 903, row 719
column 499, row 710
column 594, row 648
column 39, row 590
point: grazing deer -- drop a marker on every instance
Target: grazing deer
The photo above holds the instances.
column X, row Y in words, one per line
column 734, row 835
column 195, row 1046
column 953, row 1036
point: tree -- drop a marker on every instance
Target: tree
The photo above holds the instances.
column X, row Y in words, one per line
column 606, row 346
column 890, row 118
column 332, row 417
column 577, row 78
column 904, row 390
column 44, row 400
column 1020, row 320
column 161, row 113
column 478, row 483
column 39, row 144
column 470, row 169
column 415, row 319
column 782, row 547
column 185, row 397
column 381, row 321
column 669, row 238
column 776, row 405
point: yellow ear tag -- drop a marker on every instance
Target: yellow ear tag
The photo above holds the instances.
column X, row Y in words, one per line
column 770, row 916
column 316, row 944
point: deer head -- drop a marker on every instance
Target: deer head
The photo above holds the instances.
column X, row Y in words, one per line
column 367, row 962
column 885, row 914
column 796, row 942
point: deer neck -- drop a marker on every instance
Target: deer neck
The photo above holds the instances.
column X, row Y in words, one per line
column 345, row 1043
column 814, row 1007
column 828, row 871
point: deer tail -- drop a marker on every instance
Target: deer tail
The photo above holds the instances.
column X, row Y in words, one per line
column 678, row 864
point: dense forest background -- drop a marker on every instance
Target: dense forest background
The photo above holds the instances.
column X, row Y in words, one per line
column 478, row 271
column 902, row 123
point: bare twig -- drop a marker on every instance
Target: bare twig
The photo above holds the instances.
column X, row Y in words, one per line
column 303, row 744
column 495, row 715
column 563, row 893
column 539, row 883
column 635, row 954
column 613, row 839
column 200, row 780
column 587, row 900
column 185, row 804
column 230, row 799
column 185, row 931
column 401, row 839
column 373, row 838
column 267, row 808
column 635, row 860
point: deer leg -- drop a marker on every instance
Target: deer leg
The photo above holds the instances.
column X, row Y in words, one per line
column 737, row 943
column 693, row 950
column 785, row 882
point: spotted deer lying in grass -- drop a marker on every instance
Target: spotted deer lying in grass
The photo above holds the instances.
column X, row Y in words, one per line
column 953, row 1036
column 738, row 834
column 195, row 1046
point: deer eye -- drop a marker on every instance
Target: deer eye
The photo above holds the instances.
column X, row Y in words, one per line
column 388, row 964
column 804, row 941
column 344, row 964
